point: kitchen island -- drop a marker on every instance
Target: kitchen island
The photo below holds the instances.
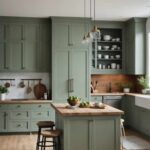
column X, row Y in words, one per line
column 88, row 128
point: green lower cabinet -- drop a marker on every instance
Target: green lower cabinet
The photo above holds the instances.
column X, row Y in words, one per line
column 23, row 117
column 3, row 121
column 135, row 116
column 89, row 133
column 144, row 120
column 18, row 125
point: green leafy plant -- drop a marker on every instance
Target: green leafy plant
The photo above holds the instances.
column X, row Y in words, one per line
column 3, row 89
column 143, row 81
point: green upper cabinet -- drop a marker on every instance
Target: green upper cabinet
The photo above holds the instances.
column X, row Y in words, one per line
column 135, row 46
column 24, row 44
column 107, row 55
column 68, row 32
column 44, row 51
column 70, row 59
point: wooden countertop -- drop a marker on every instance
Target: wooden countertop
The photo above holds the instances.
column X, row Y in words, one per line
column 107, row 94
column 24, row 101
column 64, row 110
column 116, row 94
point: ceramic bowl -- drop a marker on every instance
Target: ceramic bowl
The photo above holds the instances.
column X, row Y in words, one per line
column 107, row 37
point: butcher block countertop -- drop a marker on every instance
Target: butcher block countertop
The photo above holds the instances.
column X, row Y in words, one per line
column 64, row 110
column 116, row 94
column 24, row 101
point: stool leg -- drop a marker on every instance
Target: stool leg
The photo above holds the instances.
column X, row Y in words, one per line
column 42, row 143
column 38, row 139
column 59, row 144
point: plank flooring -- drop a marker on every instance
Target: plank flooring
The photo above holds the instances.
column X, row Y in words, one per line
column 28, row 141
column 18, row 142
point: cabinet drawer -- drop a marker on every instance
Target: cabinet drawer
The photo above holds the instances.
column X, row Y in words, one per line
column 19, row 115
column 18, row 125
column 19, row 106
column 40, row 115
column 34, row 126
column 3, row 106
column 40, row 106
column 96, row 98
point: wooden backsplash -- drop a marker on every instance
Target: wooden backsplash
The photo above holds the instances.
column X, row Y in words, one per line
column 115, row 80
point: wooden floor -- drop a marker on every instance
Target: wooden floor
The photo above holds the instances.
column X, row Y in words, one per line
column 18, row 142
column 28, row 142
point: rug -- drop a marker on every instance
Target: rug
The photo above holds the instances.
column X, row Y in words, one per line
column 135, row 143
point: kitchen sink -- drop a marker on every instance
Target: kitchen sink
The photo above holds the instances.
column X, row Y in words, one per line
column 143, row 101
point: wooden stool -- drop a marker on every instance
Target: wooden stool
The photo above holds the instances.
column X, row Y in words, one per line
column 43, row 125
column 55, row 135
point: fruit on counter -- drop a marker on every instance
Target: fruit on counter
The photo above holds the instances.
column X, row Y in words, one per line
column 84, row 104
column 73, row 100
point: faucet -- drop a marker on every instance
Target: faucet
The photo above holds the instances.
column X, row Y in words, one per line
column 109, row 87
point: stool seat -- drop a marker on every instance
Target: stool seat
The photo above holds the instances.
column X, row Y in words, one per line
column 51, row 133
column 45, row 124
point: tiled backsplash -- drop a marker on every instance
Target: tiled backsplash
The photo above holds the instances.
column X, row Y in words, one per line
column 115, row 80
column 15, row 91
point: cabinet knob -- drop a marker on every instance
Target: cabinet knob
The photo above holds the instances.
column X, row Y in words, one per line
column 39, row 113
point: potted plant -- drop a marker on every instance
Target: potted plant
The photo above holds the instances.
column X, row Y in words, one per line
column 143, row 81
column 126, row 87
column 3, row 91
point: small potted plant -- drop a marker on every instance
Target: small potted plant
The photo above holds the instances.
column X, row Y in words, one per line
column 3, row 91
column 126, row 87
column 143, row 81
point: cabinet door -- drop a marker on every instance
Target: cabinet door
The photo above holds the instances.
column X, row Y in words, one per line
column 3, row 47
column 60, row 32
column 135, row 46
column 107, row 129
column 3, row 122
column 144, row 121
column 130, row 47
column 15, row 53
column 60, row 75
column 79, row 73
column 44, row 57
column 74, row 140
column 15, row 56
column 30, row 47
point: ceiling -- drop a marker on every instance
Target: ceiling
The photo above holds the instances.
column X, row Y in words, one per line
column 118, row 10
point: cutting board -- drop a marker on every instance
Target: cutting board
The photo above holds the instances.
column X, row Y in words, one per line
column 39, row 90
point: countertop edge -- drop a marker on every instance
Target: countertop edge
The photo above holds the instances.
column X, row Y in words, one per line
column 117, row 112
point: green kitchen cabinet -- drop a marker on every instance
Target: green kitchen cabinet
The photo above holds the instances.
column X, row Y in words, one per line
column 70, row 60
column 44, row 50
column 131, row 113
column 24, row 44
column 144, row 120
column 68, row 32
column 135, row 116
column 103, row 54
column 70, row 74
column 97, row 132
column 4, row 118
column 135, row 46
column 23, row 117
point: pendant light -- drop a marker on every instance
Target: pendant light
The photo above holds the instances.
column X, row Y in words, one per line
column 89, row 35
column 95, row 29
column 84, row 40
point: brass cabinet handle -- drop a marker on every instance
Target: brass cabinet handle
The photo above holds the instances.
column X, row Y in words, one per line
column 71, row 85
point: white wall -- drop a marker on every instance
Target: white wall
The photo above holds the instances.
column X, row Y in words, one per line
column 15, row 91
